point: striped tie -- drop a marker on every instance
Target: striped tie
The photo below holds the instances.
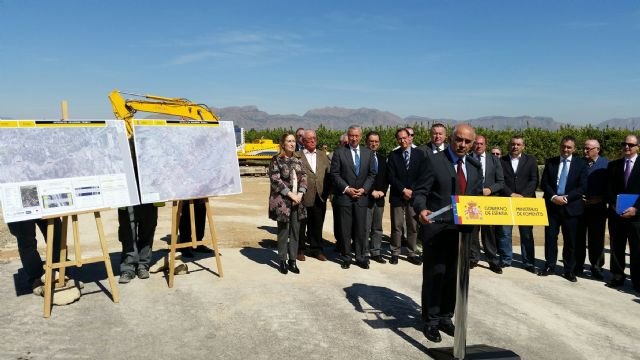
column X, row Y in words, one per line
column 406, row 159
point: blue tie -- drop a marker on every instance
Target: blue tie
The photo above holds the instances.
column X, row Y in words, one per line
column 562, row 182
column 406, row 159
column 357, row 162
column 375, row 162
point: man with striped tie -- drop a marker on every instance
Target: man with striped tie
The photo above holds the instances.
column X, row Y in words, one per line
column 564, row 181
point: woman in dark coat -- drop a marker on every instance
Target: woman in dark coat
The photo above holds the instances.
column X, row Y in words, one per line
column 288, row 183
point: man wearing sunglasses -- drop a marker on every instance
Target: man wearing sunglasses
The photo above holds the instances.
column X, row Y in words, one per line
column 592, row 223
column 624, row 178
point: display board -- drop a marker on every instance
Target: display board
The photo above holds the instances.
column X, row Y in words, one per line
column 52, row 167
column 180, row 160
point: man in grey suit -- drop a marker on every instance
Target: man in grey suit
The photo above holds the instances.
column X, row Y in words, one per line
column 353, row 174
column 315, row 164
column 449, row 172
column 492, row 185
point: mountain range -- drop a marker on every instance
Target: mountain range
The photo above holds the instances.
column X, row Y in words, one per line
column 250, row 117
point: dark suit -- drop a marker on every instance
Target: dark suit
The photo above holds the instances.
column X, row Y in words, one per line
column 523, row 181
column 621, row 229
column 375, row 208
column 430, row 149
column 402, row 212
column 314, row 200
column 493, row 180
column 352, row 213
column 563, row 216
column 433, row 190
column 591, row 224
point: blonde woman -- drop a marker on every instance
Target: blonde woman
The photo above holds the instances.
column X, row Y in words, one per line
column 288, row 183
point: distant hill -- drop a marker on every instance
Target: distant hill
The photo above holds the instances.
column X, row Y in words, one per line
column 632, row 123
column 250, row 117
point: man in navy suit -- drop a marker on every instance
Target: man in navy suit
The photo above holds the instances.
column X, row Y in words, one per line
column 449, row 172
column 375, row 208
column 520, row 180
column 564, row 181
column 404, row 164
column 353, row 173
column 624, row 178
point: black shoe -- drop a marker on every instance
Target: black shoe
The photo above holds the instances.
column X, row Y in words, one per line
column 363, row 264
column 345, row 264
column 203, row 249
column 596, row 274
column 378, row 259
column 126, row 277
column 504, row 265
column 546, row 272
column 473, row 264
column 142, row 273
column 293, row 267
column 283, row 267
column 615, row 283
column 570, row 276
column 186, row 252
column 495, row 268
column 414, row 260
column 447, row 328
column 531, row 269
column 394, row 260
column 431, row 333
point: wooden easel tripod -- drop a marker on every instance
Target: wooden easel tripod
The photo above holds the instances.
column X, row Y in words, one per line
column 176, row 213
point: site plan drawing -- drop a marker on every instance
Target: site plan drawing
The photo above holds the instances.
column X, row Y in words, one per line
column 53, row 167
column 179, row 160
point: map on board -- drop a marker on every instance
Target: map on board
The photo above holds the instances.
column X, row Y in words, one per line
column 52, row 167
column 179, row 160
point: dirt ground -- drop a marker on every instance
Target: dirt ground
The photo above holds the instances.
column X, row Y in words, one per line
column 240, row 221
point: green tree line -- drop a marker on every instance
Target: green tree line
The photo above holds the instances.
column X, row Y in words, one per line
column 541, row 143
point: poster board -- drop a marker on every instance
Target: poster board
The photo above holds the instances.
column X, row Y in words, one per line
column 496, row 210
column 53, row 167
column 179, row 160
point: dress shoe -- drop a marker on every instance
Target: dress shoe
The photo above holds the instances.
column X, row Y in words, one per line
column 293, row 267
column 431, row 333
column 300, row 256
column 283, row 267
column 495, row 268
column 615, row 283
column 414, row 260
column 186, row 252
column 394, row 260
column 570, row 276
column 546, row 272
column 447, row 328
column 363, row 264
column 596, row 273
column 531, row 269
column 378, row 259
column 505, row 265
column 321, row 257
column 345, row 264
column 473, row 264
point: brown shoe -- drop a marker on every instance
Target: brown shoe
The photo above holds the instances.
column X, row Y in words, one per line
column 321, row 257
column 300, row 256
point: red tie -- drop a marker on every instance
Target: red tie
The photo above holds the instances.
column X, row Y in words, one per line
column 462, row 181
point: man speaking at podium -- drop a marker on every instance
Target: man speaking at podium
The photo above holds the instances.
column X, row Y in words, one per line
column 449, row 172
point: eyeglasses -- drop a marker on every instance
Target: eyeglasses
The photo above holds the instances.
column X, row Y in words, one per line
column 589, row 149
column 496, row 153
column 630, row 145
column 411, row 134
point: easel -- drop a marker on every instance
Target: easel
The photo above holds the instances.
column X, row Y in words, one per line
column 176, row 212
column 78, row 261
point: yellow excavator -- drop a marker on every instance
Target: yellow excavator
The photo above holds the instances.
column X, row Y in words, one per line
column 257, row 151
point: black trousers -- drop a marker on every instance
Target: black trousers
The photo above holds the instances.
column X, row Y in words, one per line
column 591, row 226
column 569, row 225
column 489, row 244
column 440, row 255
column 621, row 231
column 311, row 227
column 25, row 233
column 200, row 212
column 352, row 223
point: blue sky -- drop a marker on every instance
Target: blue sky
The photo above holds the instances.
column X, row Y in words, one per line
column 576, row 61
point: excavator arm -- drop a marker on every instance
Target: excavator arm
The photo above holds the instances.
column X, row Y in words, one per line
column 126, row 109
